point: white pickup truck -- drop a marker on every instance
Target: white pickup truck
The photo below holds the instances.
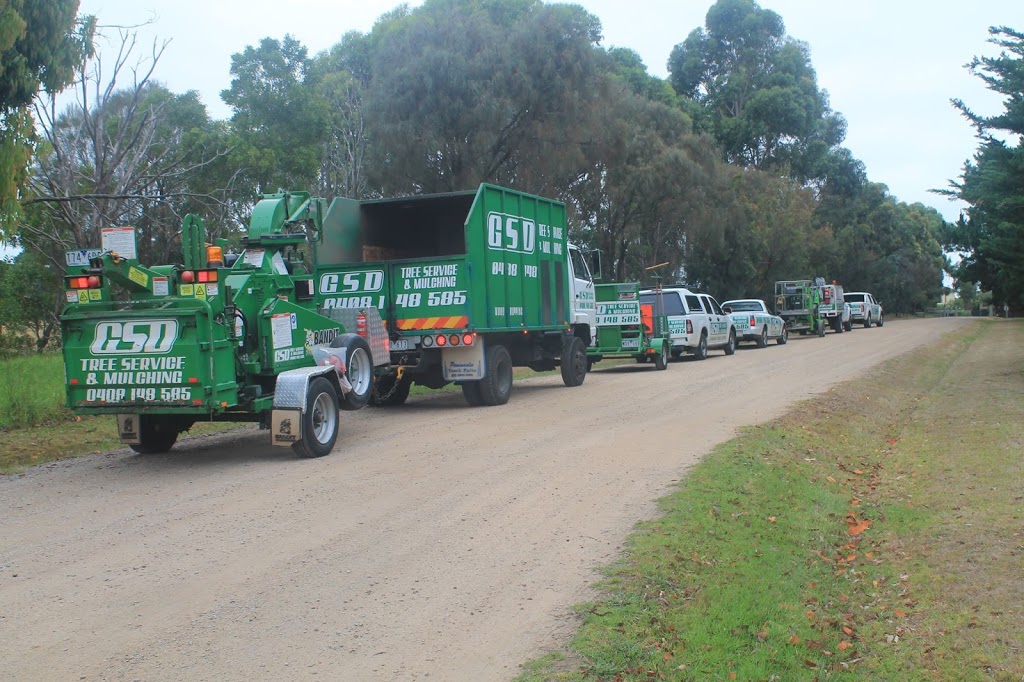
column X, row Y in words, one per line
column 864, row 308
column 696, row 322
column 754, row 322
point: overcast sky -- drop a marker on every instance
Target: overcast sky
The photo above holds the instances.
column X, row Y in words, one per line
column 890, row 66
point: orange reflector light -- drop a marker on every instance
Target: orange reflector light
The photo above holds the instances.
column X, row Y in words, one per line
column 467, row 339
column 197, row 401
column 454, row 339
column 441, row 341
column 193, row 380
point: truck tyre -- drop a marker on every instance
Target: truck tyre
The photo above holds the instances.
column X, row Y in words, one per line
column 574, row 361
column 867, row 321
column 701, row 351
column 783, row 338
column 496, row 387
column 388, row 393
column 881, row 321
column 157, row 434
column 762, row 341
column 358, row 371
column 821, row 327
column 661, row 359
column 730, row 345
column 320, row 420
column 471, row 392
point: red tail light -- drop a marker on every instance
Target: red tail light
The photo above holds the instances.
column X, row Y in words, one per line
column 753, row 322
column 442, row 341
column 689, row 327
column 467, row 339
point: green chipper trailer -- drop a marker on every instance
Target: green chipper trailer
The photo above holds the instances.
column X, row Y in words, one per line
column 331, row 305
column 166, row 346
column 627, row 328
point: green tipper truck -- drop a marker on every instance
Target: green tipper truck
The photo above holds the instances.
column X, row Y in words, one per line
column 470, row 285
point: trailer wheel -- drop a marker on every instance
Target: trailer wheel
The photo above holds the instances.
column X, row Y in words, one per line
column 320, row 420
column 358, row 371
column 701, row 351
column 821, row 327
column 762, row 342
column 574, row 362
column 157, row 434
column 496, row 387
column 730, row 346
column 661, row 359
column 784, row 338
column 388, row 393
column 471, row 392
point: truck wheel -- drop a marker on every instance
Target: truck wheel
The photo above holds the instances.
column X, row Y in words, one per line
column 388, row 393
column 471, row 392
column 881, row 321
column 730, row 346
column 661, row 359
column 496, row 387
column 157, row 434
column 784, row 338
column 320, row 420
column 867, row 321
column 358, row 371
column 701, row 351
column 574, row 362
column 821, row 327
column 762, row 342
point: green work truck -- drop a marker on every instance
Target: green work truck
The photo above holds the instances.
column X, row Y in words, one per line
column 470, row 285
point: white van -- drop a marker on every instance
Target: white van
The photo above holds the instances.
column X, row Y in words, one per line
column 696, row 322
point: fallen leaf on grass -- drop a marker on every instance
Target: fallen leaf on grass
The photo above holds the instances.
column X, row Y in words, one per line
column 794, row 640
column 899, row 614
column 844, row 645
column 830, row 479
column 848, row 630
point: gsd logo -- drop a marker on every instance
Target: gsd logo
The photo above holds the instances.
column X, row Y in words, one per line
column 125, row 338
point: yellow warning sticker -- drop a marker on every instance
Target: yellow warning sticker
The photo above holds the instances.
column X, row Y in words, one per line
column 138, row 276
column 187, row 290
column 83, row 296
column 95, row 295
column 201, row 291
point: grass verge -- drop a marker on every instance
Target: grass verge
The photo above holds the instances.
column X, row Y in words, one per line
column 872, row 533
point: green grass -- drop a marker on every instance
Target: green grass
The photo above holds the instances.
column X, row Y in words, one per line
column 32, row 392
column 873, row 533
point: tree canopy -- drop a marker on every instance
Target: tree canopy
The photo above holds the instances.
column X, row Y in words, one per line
column 730, row 171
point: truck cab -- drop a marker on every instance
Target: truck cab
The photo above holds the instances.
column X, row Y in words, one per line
column 696, row 321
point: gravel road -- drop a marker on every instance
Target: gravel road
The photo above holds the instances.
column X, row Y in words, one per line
column 437, row 542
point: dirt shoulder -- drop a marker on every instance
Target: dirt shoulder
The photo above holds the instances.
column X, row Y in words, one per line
column 437, row 541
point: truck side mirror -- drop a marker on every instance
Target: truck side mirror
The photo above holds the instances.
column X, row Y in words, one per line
column 595, row 265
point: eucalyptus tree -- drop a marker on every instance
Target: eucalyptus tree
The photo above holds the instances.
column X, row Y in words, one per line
column 757, row 89
column 42, row 45
column 462, row 91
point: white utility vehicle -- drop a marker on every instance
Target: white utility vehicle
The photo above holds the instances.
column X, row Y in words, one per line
column 864, row 308
column 754, row 322
column 696, row 322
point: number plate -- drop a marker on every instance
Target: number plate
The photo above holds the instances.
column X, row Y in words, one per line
column 630, row 343
column 401, row 344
